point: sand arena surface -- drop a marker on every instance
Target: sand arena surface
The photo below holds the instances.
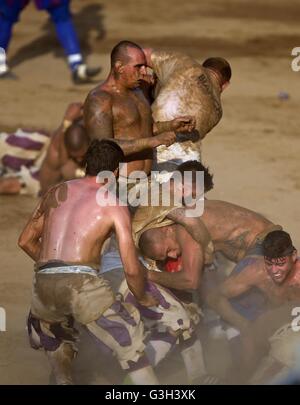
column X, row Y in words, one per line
column 253, row 152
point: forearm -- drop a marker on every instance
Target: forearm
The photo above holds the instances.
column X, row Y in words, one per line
column 160, row 127
column 136, row 284
column 135, row 145
column 222, row 306
column 178, row 281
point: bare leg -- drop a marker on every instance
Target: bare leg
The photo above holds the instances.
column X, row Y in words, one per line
column 60, row 361
column 10, row 185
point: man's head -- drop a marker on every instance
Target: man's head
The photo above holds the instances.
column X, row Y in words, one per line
column 160, row 243
column 190, row 186
column 279, row 255
column 76, row 142
column 103, row 155
column 221, row 68
column 128, row 63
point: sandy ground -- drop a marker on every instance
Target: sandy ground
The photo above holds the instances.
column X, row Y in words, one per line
column 253, row 152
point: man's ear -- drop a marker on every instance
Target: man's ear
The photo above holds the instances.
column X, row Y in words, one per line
column 119, row 67
column 224, row 86
column 294, row 255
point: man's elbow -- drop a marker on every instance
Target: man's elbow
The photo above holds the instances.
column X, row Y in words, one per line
column 22, row 243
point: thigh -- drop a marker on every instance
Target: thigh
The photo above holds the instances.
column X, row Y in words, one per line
column 170, row 315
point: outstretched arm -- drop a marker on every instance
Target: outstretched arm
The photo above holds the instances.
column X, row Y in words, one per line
column 192, row 264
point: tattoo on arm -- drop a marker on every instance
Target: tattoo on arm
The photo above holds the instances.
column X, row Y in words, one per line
column 134, row 145
column 98, row 117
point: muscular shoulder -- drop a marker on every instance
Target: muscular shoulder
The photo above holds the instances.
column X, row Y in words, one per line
column 120, row 216
column 165, row 64
column 98, row 97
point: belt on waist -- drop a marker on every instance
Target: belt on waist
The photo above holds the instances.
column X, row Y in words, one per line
column 68, row 270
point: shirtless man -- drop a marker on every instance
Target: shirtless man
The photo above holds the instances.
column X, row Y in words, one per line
column 41, row 160
column 64, row 158
column 64, row 237
column 118, row 109
column 235, row 231
column 277, row 275
column 186, row 87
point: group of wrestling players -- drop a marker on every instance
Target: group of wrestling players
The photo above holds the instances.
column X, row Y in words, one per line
column 158, row 276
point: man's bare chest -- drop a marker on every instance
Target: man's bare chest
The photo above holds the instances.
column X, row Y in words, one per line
column 131, row 111
column 280, row 294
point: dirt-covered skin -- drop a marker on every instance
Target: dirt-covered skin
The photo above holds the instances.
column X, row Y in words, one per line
column 253, row 151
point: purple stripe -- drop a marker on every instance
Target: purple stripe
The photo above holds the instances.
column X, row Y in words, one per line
column 119, row 309
column 116, row 330
column 15, row 163
column 24, row 142
column 154, row 291
column 145, row 312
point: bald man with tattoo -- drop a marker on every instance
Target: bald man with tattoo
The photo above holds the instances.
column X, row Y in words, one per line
column 118, row 109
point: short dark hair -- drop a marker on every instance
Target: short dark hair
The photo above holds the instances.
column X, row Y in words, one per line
column 75, row 137
column 221, row 66
column 195, row 166
column 149, row 238
column 277, row 244
column 119, row 52
column 103, row 155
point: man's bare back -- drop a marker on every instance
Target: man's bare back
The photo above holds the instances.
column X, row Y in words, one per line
column 74, row 218
column 61, row 163
column 233, row 229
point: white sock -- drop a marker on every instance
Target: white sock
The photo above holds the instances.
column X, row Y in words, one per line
column 143, row 376
column 3, row 65
column 194, row 361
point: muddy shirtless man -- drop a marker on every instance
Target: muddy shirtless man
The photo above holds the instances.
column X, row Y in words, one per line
column 184, row 86
column 118, row 109
column 277, row 275
column 235, row 231
column 64, row 237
